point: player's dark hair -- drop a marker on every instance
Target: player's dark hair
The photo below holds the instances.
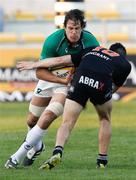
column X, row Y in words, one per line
column 75, row 15
column 118, row 48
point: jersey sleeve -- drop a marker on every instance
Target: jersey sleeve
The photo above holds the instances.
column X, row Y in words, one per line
column 89, row 39
column 48, row 49
column 119, row 75
column 94, row 41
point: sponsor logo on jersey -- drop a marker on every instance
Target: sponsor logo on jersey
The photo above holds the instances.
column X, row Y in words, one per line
column 38, row 91
column 91, row 82
column 98, row 54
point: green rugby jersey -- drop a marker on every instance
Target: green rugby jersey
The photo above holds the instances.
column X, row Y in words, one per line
column 58, row 45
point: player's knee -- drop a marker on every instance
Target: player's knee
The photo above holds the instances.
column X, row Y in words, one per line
column 36, row 110
column 32, row 120
column 34, row 114
column 105, row 119
column 104, row 116
column 56, row 108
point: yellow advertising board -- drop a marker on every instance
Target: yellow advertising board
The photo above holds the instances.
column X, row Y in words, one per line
column 13, row 83
column 9, row 56
column 19, row 86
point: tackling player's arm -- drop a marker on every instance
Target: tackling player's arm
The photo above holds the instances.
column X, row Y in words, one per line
column 50, row 62
column 73, row 59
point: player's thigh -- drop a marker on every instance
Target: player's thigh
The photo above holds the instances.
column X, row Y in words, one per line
column 58, row 97
column 104, row 110
column 40, row 101
column 72, row 110
column 56, row 105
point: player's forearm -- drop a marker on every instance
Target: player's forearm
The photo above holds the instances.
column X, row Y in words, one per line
column 52, row 62
column 49, row 62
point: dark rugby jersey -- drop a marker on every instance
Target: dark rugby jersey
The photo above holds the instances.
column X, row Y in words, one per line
column 103, row 61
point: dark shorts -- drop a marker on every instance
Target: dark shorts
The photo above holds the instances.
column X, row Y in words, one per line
column 88, row 85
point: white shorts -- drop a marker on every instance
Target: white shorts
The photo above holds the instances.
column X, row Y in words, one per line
column 47, row 89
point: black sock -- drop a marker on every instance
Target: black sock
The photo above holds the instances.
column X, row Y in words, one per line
column 58, row 149
column 102, row 159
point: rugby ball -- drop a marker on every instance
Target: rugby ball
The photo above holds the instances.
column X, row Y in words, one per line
column 63, row 72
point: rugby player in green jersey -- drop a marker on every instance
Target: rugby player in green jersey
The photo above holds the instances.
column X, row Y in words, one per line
column 51, row 90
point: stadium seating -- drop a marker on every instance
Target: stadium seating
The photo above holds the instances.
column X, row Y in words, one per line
column 32, row 38
column 105, row 15
column 20, row 15
column 88, row 15
column 118, row 37
column 8, row 38
column 99, row 37
column 131, row 50
column 106, row 18
column 48, row 16
column 23, row 38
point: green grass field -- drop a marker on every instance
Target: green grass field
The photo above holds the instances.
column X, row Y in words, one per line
column 80, row 152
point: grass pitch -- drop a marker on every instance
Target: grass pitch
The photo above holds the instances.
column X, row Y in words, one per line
column 80, row 153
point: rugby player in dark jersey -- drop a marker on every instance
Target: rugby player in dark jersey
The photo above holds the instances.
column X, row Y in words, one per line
column 99, row 73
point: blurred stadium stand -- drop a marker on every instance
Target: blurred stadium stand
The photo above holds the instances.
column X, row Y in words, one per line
column 32, row 38
column 20, row 15
column 114, row 37
column 8, row 37
column 25, row 25
column 110, row 20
